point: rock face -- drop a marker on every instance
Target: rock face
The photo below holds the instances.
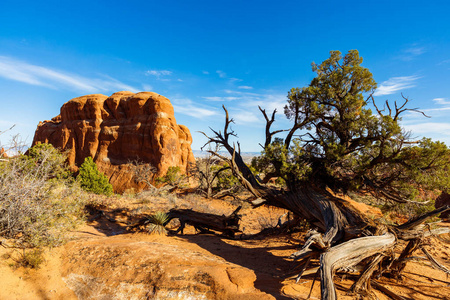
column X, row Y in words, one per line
column 116, row 130
column 442, row 200
column 3, row 153
column 122, row 268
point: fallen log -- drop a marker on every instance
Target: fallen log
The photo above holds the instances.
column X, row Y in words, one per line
column 204, row 222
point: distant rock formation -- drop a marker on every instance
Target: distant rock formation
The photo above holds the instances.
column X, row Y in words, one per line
column 116, row 130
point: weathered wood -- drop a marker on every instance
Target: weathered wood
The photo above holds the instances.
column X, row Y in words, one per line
column 348, row 254
column 434, row 262
column 400, row 263
column 407, row 235
column 422, row 218
column 228, row 225
column 361, row 286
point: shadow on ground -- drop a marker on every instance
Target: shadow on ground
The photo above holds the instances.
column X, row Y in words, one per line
column 269, row 269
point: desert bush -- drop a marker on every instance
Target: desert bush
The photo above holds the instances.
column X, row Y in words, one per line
column 173, row 177
column 215, row 177
column 30, row 259
column 92, row 180
column 37, row 208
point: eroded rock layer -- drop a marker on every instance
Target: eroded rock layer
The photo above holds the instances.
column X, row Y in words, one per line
column 116, row 130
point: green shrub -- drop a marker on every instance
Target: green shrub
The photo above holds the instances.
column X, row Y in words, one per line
column 225, row 179
column 92, row 180
column 172, row 177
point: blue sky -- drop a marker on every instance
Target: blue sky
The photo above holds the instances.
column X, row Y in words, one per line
column 202, row 54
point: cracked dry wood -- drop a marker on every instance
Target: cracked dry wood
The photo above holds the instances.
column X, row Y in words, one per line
column 348, row 254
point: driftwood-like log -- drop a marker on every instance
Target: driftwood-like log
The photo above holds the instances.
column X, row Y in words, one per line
column 228, row 225
column 349, row 254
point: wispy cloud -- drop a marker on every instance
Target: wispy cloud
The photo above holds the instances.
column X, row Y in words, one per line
column 444, row 62
column 186, row 106
column 411, row 53
column 245, row 105
column 395, row 84
column 245, row 87
column 21, row 71
column 147, row 87
column 441, row 101
column 224, row 75
column 221, row 74
column 158, row 73
column 245, row 117
column 221, row 99
column 205, row 72
column 429, row 128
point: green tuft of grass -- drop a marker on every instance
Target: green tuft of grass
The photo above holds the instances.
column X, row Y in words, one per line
column 157, row 222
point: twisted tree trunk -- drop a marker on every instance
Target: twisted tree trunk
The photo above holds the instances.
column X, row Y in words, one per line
column 345, row 237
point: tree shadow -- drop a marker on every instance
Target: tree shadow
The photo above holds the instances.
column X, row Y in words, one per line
column 269, row 269
column 108, row 222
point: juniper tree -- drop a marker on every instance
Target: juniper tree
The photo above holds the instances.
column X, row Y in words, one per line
column 341, row 140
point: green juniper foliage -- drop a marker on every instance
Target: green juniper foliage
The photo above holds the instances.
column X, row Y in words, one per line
column 92, row 180
column 342, row 140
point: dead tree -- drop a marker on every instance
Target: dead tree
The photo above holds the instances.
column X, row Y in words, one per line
column 204, row 222
column 345, row 148
column 208, row 171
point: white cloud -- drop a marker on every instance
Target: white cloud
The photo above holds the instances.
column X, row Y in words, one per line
column 441, row 101
column 17, row 70
column 446, row 61
column 221, row 99
column 245, row 87
column 147, row 87
column 411, row 53
column 205, row 72
column 221, row 74
column 188, row 107
column 158, row 73
column 430, row 128
column 395, row 84
column 245, row 117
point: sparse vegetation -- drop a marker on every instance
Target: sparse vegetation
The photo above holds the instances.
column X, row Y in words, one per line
column 215, row 178
column 157, row 223
column 173, row 177
column 32, row 258
column 38, row 204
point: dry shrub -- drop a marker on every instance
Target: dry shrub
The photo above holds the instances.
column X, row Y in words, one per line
column 38, row 202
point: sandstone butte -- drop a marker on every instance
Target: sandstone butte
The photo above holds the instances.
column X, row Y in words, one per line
column 119, row 129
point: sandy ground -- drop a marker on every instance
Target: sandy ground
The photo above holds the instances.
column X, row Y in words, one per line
column 265, row 256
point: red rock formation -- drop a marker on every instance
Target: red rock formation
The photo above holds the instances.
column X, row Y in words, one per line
column 442, row 200
column 116, row 130
column 3, row 153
